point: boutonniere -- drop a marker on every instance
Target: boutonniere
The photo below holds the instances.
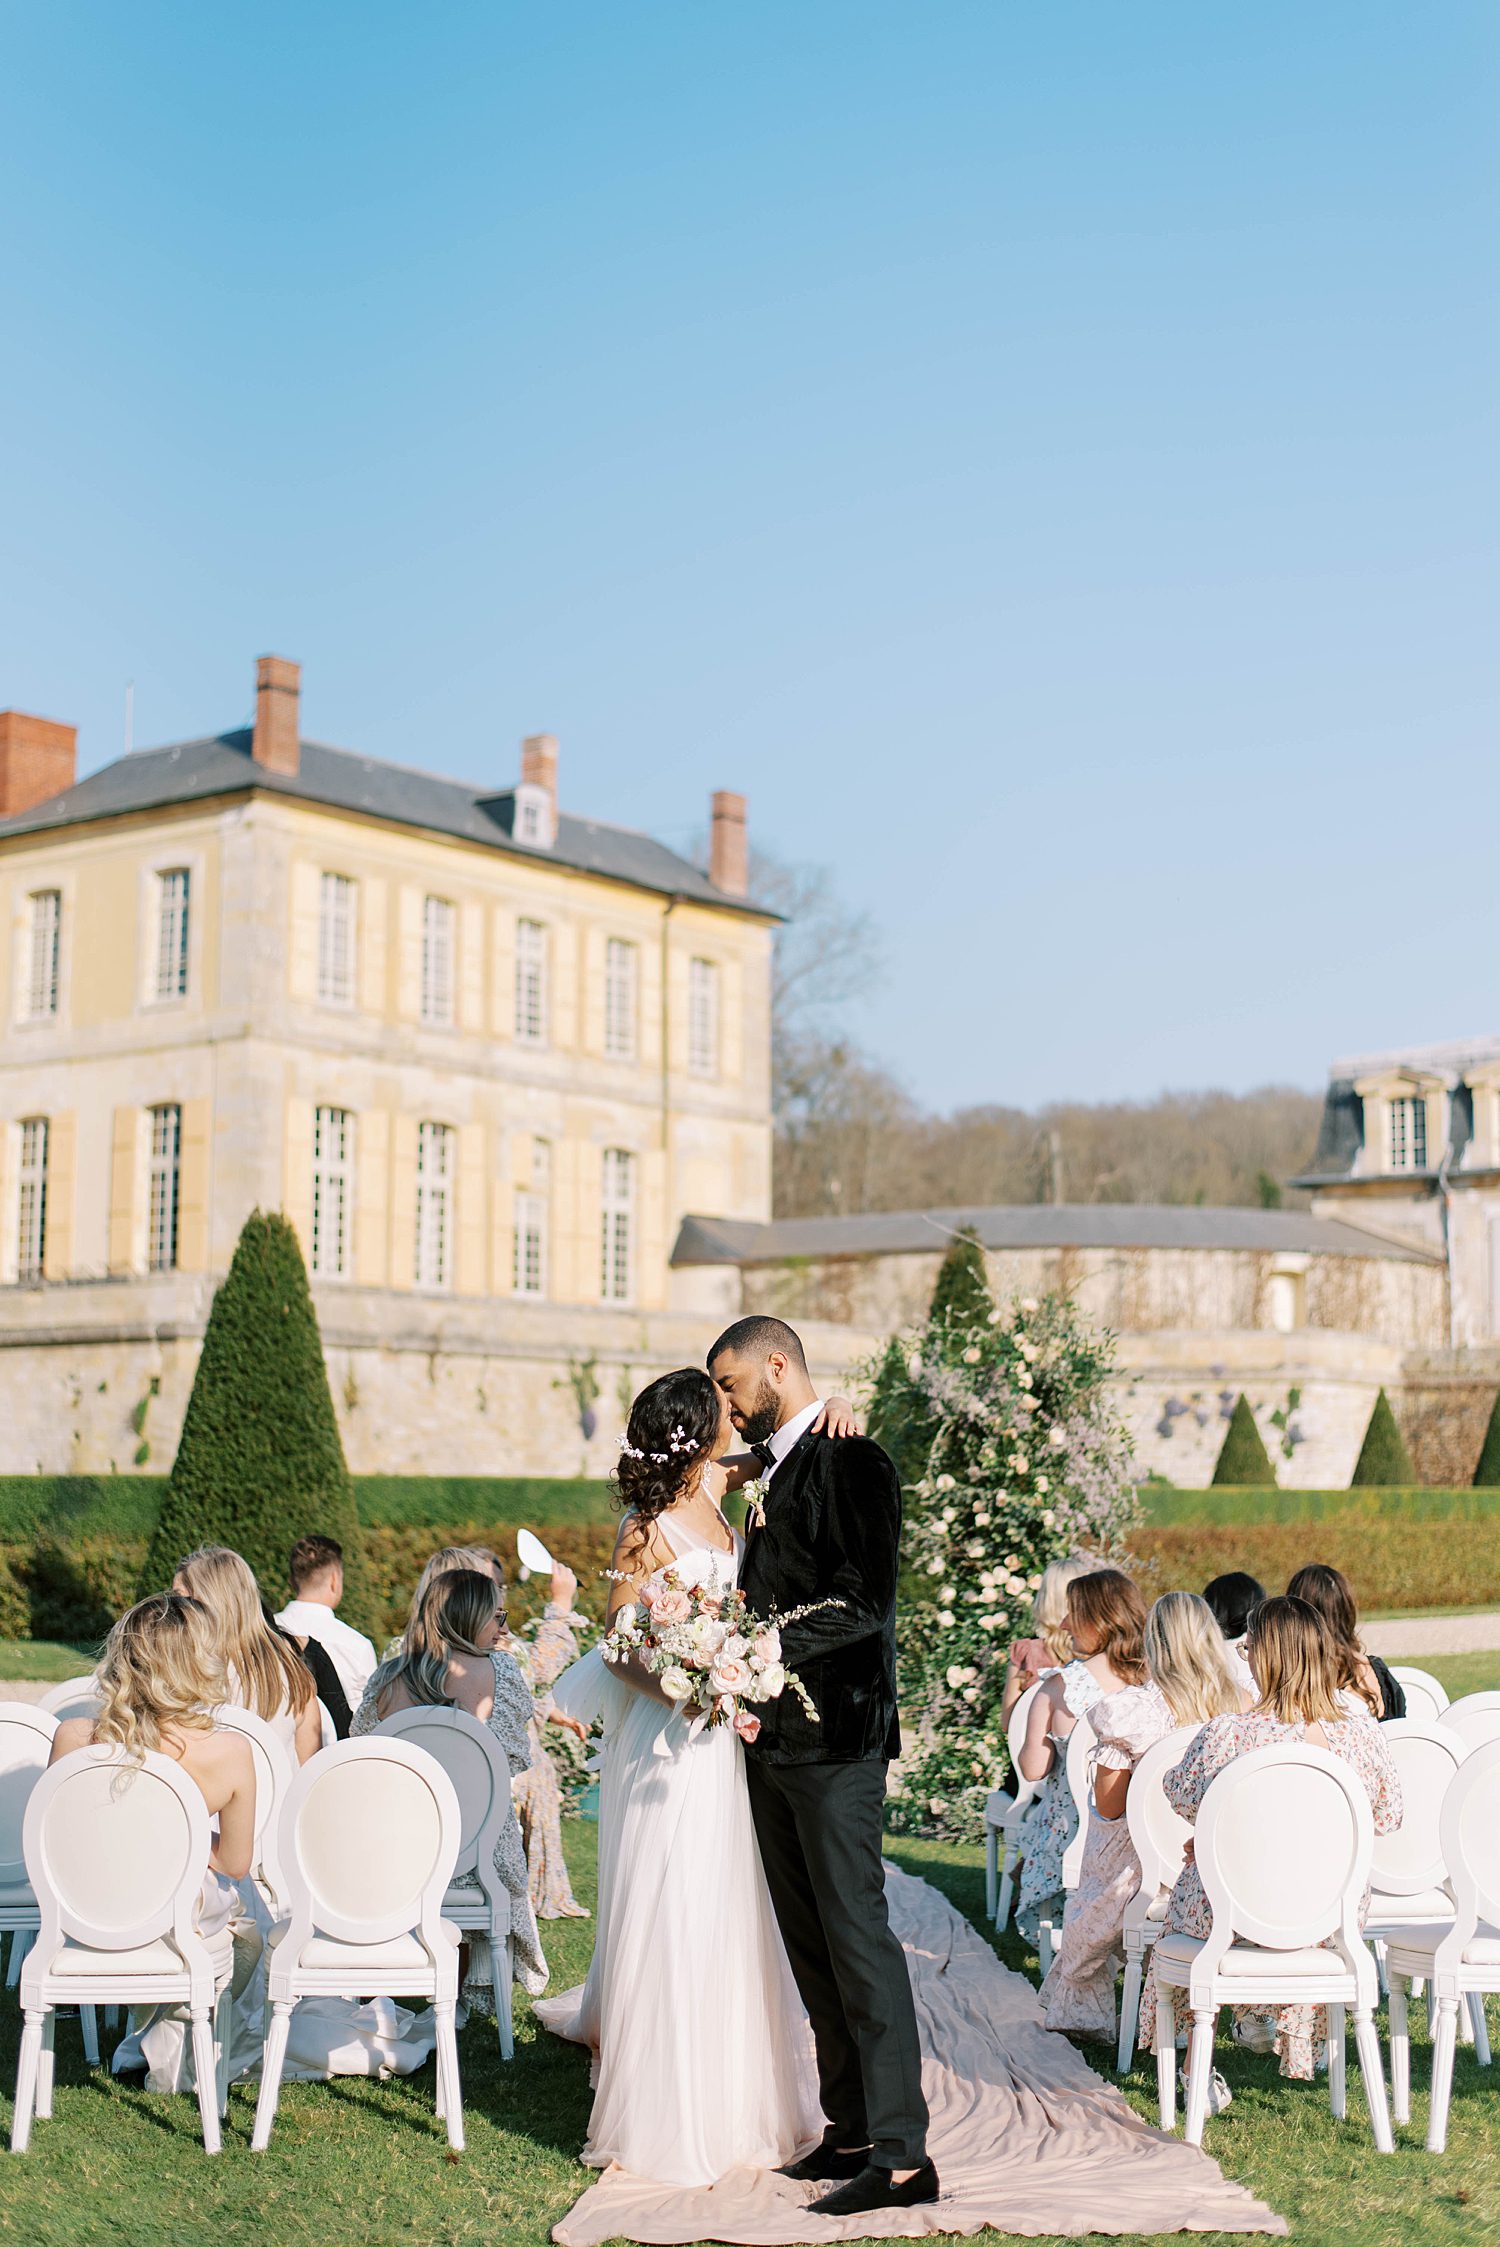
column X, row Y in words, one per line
column 754, row 1495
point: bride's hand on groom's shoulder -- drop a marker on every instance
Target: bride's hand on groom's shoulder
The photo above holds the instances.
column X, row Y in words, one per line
column 836, row 1419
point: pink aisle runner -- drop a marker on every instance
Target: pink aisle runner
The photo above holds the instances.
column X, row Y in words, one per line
column 1026, row 2137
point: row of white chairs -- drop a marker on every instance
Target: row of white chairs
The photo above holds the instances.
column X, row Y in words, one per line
column 79, row 1696
column 334, row 1844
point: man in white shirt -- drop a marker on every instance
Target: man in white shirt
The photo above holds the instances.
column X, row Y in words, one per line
column 317, row 1572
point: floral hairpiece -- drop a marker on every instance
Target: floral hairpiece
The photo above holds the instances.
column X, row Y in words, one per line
column 680, row 1440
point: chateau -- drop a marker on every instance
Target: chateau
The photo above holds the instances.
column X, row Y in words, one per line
column 487, row 1055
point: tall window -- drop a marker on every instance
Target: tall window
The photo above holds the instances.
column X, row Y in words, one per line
column 619, row 1217
column 1409, row 1134
column 434, row 1203
column 531, row 982
column 333, row 1192
column 172, row 934
column 437, row 961
column 703, row 1018
column 166, row 1184
column 336, row 940
column 531, row 1224
column 31, row 1228
column 619, row 1000
column 45, row 956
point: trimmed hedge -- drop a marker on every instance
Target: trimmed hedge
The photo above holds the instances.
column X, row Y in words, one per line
column 1243, row 1460
column 1383, row 1456
column 1392, row 1561
column 1164, row 1506
column 128, row 1505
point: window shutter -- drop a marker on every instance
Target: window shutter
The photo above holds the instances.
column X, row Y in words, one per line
column 370, row 965
column 651, row 1243
column 593, row 990
column 409, row 966
column 296, row 1171
column 302, row 965
column 564, row 993
column 648, row 1004
column 470, row 939
column 403, row 1234
column 731, row 1020
column 372, row 1197
column 503, row 977
column 472, row 1213
column 575, row 1223
column 124, row 1188
column 192, row 1205
column 62, row 1188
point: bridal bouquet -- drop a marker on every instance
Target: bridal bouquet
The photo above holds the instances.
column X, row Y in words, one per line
column 712, row 1657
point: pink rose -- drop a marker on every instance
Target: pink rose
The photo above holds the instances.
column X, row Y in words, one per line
column 730, row 1674
column 767, row 1646
column 669, row 1605
column 747, row 1725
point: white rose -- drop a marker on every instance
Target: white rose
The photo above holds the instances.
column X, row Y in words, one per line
column 914, row 1365
column 1049, row 1519
column 1028, row 1303
column 1058, row 1438
column 994, row 1318
column 945, row 1620
column 949, row 1591
column 971, row 1693
column 736, row 1647
column 955, row 1674
column 1019, row 1462
column 971, row 1357
column 676, row 1684
column 945, row 1482
column 981, row 1521
column 1042, row 1485
column 1030, row 1352
column 1023, row 1376
column 1012, row 1560
column 706, row 1636
column 771, row 1683
column 1033, row 1583
column 950, row 1513
column 627, row 1617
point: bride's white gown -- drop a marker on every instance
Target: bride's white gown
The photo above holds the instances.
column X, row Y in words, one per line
column 702, row 2056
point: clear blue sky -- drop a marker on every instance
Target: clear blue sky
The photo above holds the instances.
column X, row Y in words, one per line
column 1046, row 455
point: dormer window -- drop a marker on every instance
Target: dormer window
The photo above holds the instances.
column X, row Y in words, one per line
column 1409, row 1133
column 536, row 821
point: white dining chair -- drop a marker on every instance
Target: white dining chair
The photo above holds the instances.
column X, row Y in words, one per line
column 25, row 1744
column 116, row 1852
column 1078, row 1777
column 1408, row 1879
column 1159, row 1837
column 475, row 1761
column 1282, row 1843
column 1426, row 1696
column 1475, row 1718
column 1003, row 1840
column 328, row 1731
column 1458, row 1956
column 76, row 1696
column 273, row 1779
column 369, row 1837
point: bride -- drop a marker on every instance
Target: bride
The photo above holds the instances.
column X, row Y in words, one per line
column 702, row 2059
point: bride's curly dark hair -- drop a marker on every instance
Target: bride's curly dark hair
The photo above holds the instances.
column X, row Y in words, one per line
column 673, row 1425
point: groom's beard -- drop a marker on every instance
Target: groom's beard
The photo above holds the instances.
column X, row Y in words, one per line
column 760, row 1425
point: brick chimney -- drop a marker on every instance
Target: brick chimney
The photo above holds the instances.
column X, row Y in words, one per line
column 729, row 845
column 38, row 759
column 536, row 804
column 278, row 740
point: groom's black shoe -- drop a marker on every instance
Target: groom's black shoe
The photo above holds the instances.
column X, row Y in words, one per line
column 876, row 2188
column 826, row 2162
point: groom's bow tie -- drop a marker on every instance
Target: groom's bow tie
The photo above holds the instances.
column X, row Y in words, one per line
column 766, row 1454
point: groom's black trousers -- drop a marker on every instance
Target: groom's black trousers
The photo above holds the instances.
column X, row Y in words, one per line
column 819, row 1828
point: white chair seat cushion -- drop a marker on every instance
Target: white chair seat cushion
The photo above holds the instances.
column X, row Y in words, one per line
column 1247, row 1959
column 1483, row 1948
column 1428, row 1903
column 327, row 1950
column 76, row 1960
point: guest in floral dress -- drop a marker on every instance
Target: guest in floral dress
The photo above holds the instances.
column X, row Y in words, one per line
column 1293, row 1661
column 1106, row 1616
column 450, row 1657
column 1050, row 1646
column 1190, row 1682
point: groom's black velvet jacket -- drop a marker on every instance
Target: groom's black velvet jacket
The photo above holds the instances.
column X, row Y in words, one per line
column 832, row 1531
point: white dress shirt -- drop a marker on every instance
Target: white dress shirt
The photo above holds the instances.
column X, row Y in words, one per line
column 349, row 1650
column 792, row 1432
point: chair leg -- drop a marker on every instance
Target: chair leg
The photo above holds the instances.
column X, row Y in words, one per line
column 88, row 2021
column 1337, row 2054
column 1400, row 2051
column 448, row 2076
column 1007, row 1895
column 1481, row 2028
column 1200, row 2060
column 1130, row 2006
column 1380, row 1967
column 273, row 2059
column 1372, row 2076
column 503, row 1954
column 991, row 1871
column 206, row 2077
column 27, row 2068
column 46, row 2067
column 1442, row 2074
column 1465, row 2024
column 223, row 2021
column 1166, row 2064
column 20, row 1943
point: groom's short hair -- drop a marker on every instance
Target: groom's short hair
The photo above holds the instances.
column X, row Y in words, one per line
column 756, row 1338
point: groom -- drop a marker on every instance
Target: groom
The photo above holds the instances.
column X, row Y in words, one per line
column 831, row 1531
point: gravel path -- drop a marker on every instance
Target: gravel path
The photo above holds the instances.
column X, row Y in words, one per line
column 1433, row 1634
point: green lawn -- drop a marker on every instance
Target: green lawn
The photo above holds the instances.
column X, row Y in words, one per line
column 1457, row 1674
column 45, row 1660
column 367, row 2163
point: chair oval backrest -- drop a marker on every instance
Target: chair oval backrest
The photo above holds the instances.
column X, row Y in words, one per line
column 1426, row 1696
column 76, row 1696
column 1426, row 1755
column 273, row 1769
column 1015, row 1733
column 369, row 1837
column 1470, row 1833
column 474, row 1760
column 1157, row 1833
column 1078, row 1770
column 116, row 1851
column 25, row 1744
column 1283, row 1844
column 1475, row 1718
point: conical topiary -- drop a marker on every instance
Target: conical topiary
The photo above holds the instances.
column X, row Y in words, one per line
column 962, row 1294
column 1487, row 1473
column 1383, row 1456
column 260, row 1463
column 1244, row 1460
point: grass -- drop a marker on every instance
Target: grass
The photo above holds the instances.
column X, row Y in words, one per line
column 46, row 1661
column 1457, row 1674
column 367, row 2161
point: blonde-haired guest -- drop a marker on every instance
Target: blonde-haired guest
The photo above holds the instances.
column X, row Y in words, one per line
column 160, row 1680
column 452, row 1655
column 1297, row 1671
column 263, row 1670
column 1051, row 1643
column 1189, row 1682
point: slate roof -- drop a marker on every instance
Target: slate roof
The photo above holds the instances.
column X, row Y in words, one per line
column 188, row 772
column 1341, row 1131
column 720, row 1240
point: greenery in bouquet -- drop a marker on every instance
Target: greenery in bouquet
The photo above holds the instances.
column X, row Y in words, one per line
column 1011, row 1455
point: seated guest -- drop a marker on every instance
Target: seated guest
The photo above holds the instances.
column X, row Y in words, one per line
column 316, row 1569
column 1293, row 1659
column 1364, row 1681
column 264, row 1671
column 1190, row 1681
column 159, row 1681
column 1233, row 1600
column 1106, row 1616
column 450, row 1657
column 1050, row 1645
